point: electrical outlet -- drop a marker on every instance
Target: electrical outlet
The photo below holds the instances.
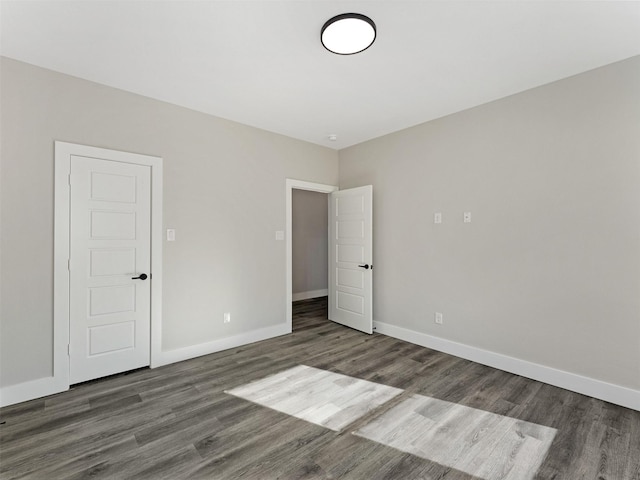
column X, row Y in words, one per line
column 437, row 217
column 438, row 318
column 227, row 317
column 467, row 217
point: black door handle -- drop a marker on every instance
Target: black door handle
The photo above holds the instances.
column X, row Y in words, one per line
column 143, row 276
column 365, row 266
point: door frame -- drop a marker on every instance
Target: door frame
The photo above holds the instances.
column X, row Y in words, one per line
column 61, row 278
column 292, row 184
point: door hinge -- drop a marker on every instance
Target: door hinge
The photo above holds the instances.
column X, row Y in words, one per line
column 68, row 350
column 69, row 179
column 69, row 264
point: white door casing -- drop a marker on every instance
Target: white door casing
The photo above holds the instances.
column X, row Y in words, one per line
column 64, row 151
column 291, row 185
column 351, row 258
column 110, row 247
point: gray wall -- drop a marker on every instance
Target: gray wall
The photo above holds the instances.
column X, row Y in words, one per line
column 224, row 193
column 309, row 240
column 549, row 269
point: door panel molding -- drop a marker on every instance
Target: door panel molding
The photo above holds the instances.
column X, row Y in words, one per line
column 61, row 308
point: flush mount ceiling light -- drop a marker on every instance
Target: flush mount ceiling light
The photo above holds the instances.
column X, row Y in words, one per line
column 348, row 33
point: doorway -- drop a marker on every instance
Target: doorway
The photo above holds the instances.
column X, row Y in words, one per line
column 310, row 247
column 350, row 221
column 302, row 290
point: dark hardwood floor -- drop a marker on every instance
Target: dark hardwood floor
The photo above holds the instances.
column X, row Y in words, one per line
column 176, row 421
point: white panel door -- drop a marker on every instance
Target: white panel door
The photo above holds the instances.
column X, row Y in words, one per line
column 350, row 258
column 110, row 256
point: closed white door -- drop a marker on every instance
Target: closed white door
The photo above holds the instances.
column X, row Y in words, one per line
column 110, row 257
column 351, row 258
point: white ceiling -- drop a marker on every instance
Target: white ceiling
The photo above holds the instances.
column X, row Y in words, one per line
column 261, row 62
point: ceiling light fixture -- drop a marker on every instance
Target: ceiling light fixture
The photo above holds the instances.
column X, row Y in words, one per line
column 348, row 33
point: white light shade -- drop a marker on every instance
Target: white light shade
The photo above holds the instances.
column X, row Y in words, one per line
column 348, row 33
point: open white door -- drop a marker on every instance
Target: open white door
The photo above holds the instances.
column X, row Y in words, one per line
column 350, row 258
column 110, row 261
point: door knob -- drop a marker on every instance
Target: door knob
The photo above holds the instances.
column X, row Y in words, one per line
column 143, row 276
column 365, row 266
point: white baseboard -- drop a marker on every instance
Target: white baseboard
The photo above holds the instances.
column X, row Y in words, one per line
column 186, row 353
column 25, row 391
column 42, row 387
column 623, row 396
column 310, row 294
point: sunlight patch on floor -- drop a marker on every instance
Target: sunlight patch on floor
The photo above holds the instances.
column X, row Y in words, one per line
column 328, row 399
column 480, row 443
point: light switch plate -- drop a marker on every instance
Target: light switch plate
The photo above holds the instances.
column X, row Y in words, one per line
column 467, row 217
column 437, row 217
column 171, row 235
column 279, row 235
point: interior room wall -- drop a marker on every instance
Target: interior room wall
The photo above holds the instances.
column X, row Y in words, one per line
column 548, row 270
column 309, row 243
column 224, row 193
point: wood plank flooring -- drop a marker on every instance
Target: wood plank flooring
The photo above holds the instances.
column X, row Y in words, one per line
column 176, row 421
